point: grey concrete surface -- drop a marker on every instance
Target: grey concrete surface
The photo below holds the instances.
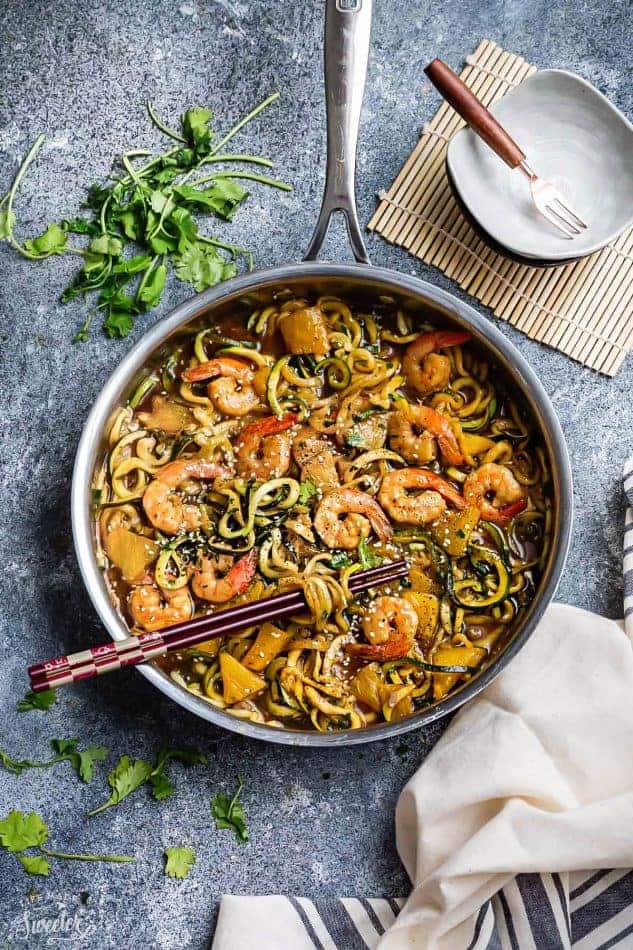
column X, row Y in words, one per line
column 320, row 822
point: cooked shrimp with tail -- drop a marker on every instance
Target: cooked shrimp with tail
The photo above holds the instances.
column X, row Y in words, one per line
column 390, row 625
column 413, row 430
column 495, row 491
column 346, row 515
column 417, row 496
column 169, row 511
column 427, row 370
column 154, row 608
column 264, row 447
column 231, row 388
column 208, row 585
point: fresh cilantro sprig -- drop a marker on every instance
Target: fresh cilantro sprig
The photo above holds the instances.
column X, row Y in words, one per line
column 229, row 813
column 149, row 209
column 127, row 776
column 66, row 750
column 179, row 861
column 43, row 700
column 20, row 832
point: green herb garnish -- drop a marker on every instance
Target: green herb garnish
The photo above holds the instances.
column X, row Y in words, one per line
column 308, row 490
column 179, row 861
column 127, row 776
column 229, row 813
column 20, row 832
column 339, row 560
column 367, row 558
column 149, row 207
column 43, row 700
column 355, row 438
column 66, row 750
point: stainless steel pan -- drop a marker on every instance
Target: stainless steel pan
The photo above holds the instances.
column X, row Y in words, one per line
column 347, row 31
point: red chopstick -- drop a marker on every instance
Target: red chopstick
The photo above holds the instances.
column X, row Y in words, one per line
column 139, row 649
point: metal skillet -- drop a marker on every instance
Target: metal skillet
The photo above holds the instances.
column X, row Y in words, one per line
column 347, row 29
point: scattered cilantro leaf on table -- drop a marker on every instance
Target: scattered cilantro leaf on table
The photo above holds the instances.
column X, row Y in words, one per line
column 148, row 207
column 179, row 861
column 43, row 700
column 20, row 832
column 229, row 813
column 127, row 776
column 66, row 750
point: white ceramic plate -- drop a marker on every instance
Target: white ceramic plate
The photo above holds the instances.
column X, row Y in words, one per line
column 573, row 136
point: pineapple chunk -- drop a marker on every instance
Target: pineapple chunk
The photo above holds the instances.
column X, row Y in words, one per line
column 238, row 683
column 270, row 641
column 453, row 656
column 453, row 529
column 131, row 553
column 305, row 331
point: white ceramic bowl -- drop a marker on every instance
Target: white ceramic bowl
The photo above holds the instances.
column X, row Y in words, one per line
column 572, row 136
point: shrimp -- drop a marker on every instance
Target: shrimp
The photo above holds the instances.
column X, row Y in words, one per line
column 390, row 625
column 154, row 608
column 346, row 515
column 217, row 590
column 413, row 429
column 231, row 388
column 425, row 369
column 315, row 458
column 263, row 447
column 417, row 509
column 168, row 511
column 495, row 491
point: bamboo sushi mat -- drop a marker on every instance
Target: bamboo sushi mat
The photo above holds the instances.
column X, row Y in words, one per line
column 583, row 309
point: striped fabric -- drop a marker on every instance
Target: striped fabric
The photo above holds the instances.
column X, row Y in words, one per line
column 584, row 910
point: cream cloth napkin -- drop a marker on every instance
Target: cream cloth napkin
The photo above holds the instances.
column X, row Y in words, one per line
column 535, row 775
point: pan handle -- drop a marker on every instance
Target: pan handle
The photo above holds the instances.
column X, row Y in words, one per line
column 347, row 29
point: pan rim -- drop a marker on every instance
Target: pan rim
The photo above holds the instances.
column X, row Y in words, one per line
column 502, row 350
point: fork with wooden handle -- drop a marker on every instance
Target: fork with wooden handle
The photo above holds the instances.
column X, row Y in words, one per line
column 547, row 199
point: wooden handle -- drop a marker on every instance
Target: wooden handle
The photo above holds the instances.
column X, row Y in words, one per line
column 459, row 96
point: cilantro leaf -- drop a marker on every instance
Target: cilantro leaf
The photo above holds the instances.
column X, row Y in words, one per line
column 66, row 750
column 355, row 438
column 118, row 324
column 151, row 289
column 51, row 241
column 202, row 266
column 179, row 861
column 79, row 226
column 82, row 760
column 367, row 557
column 196, row 129
column 19, row 831
column 125, row 778
column 339, row 559
column 133, row 265
column 308, row 490
column 43, row 700
column 229, row 813
column 105, row 244
column 223, row 196
column 162, row 786
column 35, row 864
